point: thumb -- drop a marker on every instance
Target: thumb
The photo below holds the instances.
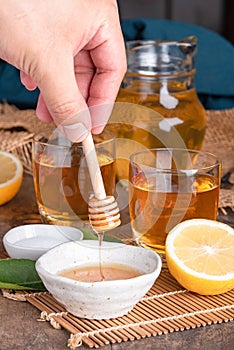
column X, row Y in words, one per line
column 64, row 102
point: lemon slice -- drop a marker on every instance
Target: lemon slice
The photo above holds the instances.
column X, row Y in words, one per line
column 11, row 175
column 200, row 256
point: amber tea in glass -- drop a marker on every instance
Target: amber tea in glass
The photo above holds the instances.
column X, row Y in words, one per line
column 167, row 186
column 61, row 177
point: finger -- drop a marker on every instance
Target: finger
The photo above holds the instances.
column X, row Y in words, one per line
column 108, row 77
column 42, row 111
column 27, row 81
column 63, row 99
column 84, row 71
column 100, row 115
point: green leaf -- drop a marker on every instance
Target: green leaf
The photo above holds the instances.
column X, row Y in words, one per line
column 19, row 274
column 4, row 285
column 89, row 235
column 111, row 239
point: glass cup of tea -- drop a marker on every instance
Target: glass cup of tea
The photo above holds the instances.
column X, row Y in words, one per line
column 167, row 186
column 61, row 177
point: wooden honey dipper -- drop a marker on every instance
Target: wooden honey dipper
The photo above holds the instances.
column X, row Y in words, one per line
column 103, row 210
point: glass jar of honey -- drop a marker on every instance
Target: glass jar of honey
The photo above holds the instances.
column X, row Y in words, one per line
column 157, row 104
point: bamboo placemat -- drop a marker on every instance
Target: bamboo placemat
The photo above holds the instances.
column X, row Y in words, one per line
column 166, row 308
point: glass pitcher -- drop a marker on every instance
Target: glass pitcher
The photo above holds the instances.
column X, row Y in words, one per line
column 157, row 103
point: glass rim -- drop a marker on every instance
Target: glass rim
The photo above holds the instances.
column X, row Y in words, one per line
column 131, row 44
column 78, row 145
column 217, row 161
column 152, row 75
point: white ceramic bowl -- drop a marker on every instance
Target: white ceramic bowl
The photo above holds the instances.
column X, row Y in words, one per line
column 98, row 300
column 32, row 241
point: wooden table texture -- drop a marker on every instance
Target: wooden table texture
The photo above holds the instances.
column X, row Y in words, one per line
column 19, row 326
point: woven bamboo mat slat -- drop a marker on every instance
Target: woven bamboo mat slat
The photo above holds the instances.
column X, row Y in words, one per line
column 166, row 308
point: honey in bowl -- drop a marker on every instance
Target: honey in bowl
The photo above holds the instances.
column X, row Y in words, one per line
column 109, row 272
column 101, row 300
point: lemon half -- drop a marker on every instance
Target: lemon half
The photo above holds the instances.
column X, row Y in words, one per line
column 11, row 175
column 200, row 256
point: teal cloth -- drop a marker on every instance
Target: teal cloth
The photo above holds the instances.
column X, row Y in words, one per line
column 11, row 89
column 215, row 63
column 215, row 58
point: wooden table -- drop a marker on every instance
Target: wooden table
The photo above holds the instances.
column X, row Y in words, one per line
column 20, row 330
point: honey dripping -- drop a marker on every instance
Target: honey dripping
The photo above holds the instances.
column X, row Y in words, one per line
column 100, row 240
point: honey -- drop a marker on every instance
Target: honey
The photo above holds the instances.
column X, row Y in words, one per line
column 91, row 273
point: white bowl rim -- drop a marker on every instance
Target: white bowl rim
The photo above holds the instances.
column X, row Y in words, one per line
column 16, row 244
column 69, row 282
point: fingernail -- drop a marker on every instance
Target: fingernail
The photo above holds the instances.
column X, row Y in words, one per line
column 97, row 130
column 76, row 132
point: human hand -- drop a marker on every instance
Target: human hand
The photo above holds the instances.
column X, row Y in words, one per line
column 72, row 51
